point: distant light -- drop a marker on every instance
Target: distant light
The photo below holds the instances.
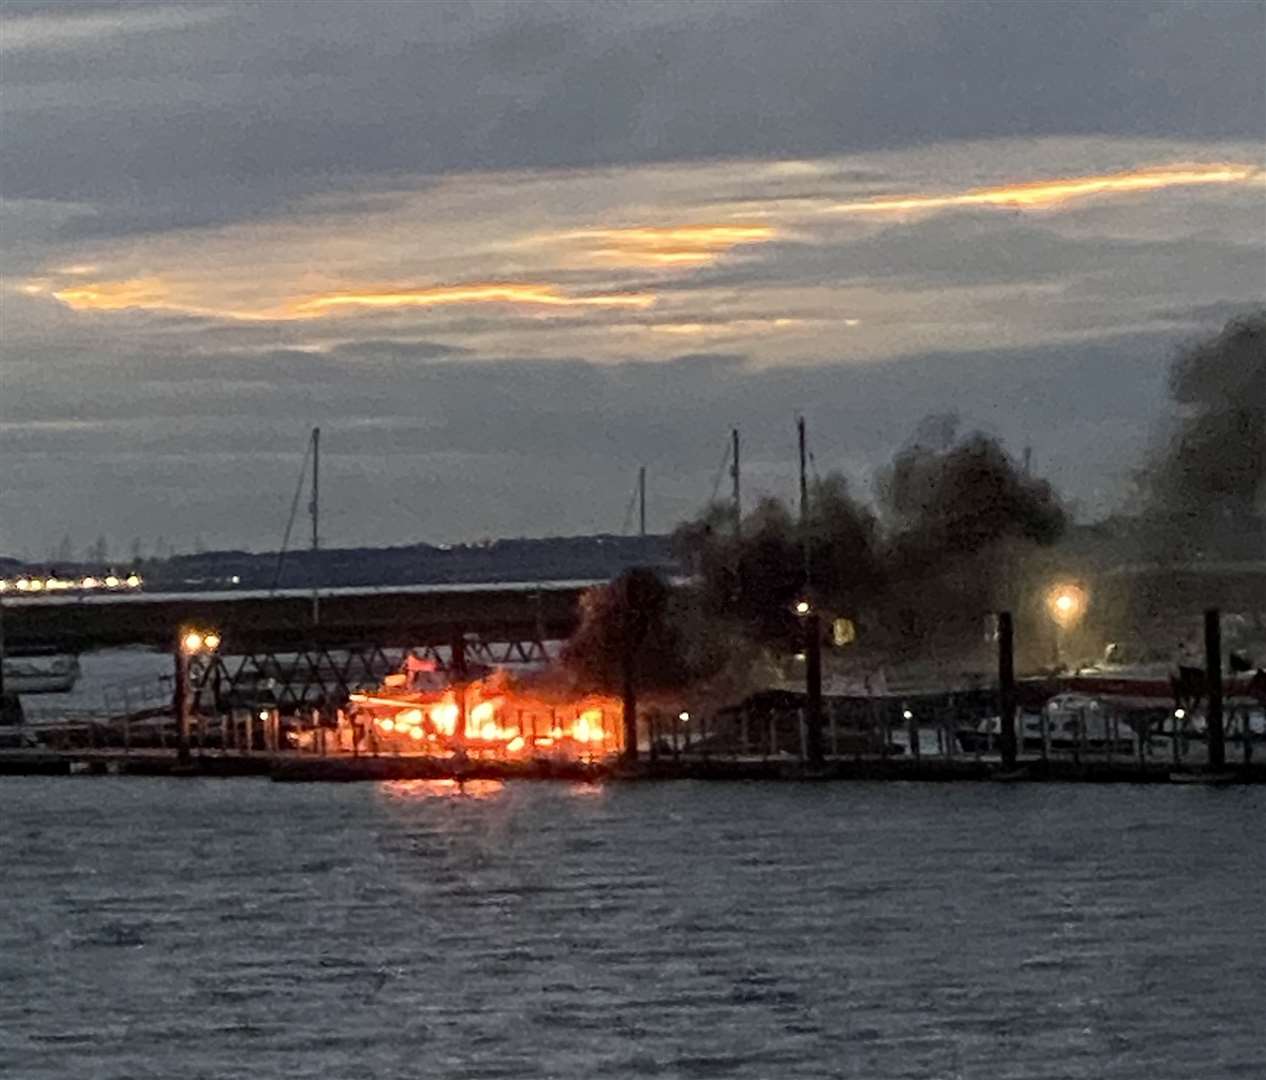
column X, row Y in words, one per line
column 89, row 582
column 134, row 581
column 1180, row 714
column 112, row 582
column 803, row 607
column 212, row 641
column 36, row 584
column 192, row 641
column 684, row 717
column 4, row 585
column 906, row 714
column 235, row 580
column 799, row 656
column 263, row 714
column 416, row 733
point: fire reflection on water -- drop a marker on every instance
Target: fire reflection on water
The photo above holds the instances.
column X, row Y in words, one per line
column 414, row 790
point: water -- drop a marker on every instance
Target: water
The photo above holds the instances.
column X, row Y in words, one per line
column 208, row 929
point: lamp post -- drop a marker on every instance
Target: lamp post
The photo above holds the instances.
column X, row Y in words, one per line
column 1066, row 603
column 190, row 642
column 813, row 680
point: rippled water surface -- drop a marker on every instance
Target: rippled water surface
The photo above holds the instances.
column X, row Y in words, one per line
column 240, row 928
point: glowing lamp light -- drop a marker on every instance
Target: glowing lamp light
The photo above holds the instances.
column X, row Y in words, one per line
column 388, row 725
column 133, row 581
column 803, row 607
column 416, row 733
column 198, row 641
column 906, row 714
column 515, row 745
column 684, row 717
column 111, row 582
column 263, row 714
column 1066, row 604
column 1180, row 714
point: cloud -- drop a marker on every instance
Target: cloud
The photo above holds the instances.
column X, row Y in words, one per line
column 208, row 121
column 68, row 27
column 451, row 449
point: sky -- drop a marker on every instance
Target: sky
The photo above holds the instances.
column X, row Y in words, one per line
column 503, row 254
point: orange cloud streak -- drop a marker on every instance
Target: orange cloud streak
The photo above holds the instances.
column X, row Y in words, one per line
column 1040, row 194
column 669, row 244
column 474, row 293
column 151, row 294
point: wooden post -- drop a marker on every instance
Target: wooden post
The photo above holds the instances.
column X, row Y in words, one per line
column 180, row 701
column 1045, row 722
column 1213, row 687
column 629, row 702
column 835, row 733
column 248, row 735
column 1006, row 688
column 912, row 734
column 813, row 686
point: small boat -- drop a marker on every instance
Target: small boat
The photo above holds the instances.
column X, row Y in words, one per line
column 1211, row 779
column 1069, row 722
column 40, row 675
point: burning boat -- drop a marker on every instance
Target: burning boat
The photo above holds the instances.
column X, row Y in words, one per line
column 419, row 710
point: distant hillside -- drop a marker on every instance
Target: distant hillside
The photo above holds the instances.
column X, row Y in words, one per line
column 551, row 559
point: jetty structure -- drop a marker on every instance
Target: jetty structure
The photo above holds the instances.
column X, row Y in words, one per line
column 456, row 680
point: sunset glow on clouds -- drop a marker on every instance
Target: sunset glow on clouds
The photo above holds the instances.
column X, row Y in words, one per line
column 586, row 271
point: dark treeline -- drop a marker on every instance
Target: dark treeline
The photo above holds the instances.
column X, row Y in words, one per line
column 958, row 529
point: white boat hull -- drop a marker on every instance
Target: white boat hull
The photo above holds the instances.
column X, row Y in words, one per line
column 27, row 676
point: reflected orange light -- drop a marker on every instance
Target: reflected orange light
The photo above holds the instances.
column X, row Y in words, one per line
column 1040, row 194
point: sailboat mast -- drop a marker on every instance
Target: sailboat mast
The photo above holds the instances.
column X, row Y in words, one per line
column 804, row 500
column 315, row 509
column 641, row 500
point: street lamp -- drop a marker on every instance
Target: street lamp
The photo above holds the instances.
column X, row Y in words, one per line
column 1066, row 604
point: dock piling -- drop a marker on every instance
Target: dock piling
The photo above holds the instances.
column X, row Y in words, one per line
column 1213, row 688
column 1006, row 688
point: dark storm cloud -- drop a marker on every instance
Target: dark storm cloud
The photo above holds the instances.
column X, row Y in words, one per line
column 201, row 114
